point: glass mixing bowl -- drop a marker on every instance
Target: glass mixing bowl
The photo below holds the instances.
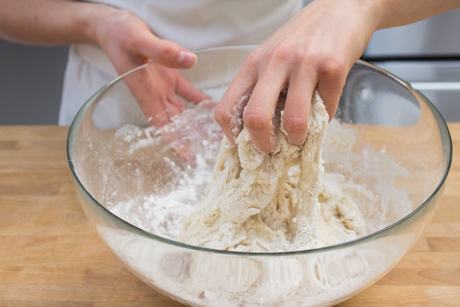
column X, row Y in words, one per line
column 387, row 115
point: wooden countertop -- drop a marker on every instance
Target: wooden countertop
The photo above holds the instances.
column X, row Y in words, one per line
column 50, row 256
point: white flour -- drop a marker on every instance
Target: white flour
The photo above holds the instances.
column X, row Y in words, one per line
column 255, row 204
column 211, row 279
column 163, row 214
column 360, row 210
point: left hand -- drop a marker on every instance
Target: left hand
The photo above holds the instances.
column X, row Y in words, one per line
column 157, row 89
column 129, row 43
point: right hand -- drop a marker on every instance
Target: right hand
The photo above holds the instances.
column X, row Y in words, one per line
column 314, row 50
column 129, row 43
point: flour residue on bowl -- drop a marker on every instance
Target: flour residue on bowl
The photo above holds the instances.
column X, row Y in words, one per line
column 163, row 213
column 369, row 200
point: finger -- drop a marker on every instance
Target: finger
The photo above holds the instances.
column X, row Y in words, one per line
column 159, row 115
column 165, row 52
column 332, row 75
column 158, row 110
column 260, row 110
column 148, row 97
column 294, row 120
column 171, row 137
column 177, row 103
column 178, row 146
column 155, row 113
column 187, row 91
column 229, row 111
column 171, row 109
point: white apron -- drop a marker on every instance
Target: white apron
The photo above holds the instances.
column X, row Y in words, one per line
column 193, row 24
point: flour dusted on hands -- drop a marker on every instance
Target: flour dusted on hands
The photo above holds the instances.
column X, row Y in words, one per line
column 274, row 202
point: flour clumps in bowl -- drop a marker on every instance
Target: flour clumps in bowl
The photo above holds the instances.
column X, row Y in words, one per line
column 237, row 198
column 258, row 202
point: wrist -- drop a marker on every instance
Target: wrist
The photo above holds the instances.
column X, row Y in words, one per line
column 93, row 19
column 104, row 19
column 394, row 13
column 370, row 14
column 375, row 12
column 385, row 12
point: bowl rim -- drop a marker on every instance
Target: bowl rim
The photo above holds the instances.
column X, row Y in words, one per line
column 441, row 123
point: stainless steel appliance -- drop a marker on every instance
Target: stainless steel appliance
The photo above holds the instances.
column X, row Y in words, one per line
column 426, row 54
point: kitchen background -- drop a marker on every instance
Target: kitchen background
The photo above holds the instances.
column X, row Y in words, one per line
column 426, row 53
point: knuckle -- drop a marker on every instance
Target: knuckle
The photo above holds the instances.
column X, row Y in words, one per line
column 282, row 53
column 299, row 58
column 167, row 51
column 253, row 56
column 332, row 67
column 257, row 121
column 253, row 60
column 295, row 125
column 221, row 115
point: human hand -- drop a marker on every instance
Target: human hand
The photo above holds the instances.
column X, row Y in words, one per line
column 129, row 43
column 314, row 50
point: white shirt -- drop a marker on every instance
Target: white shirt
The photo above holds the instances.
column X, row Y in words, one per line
column 193, row 24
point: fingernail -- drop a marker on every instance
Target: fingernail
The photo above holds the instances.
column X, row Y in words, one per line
column 186, row 59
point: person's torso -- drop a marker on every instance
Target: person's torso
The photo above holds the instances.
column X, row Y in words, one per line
column 198, row 24
column 194, row 24
column 201, row 24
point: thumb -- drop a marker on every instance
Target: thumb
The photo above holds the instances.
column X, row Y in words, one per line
column 167, row 53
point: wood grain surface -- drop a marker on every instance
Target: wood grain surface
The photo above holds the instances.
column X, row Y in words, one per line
column 50, row 256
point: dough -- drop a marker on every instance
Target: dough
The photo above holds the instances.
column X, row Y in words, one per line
column 275, row 202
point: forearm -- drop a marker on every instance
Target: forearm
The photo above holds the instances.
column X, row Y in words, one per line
column 49, row 22
column 394, row 13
